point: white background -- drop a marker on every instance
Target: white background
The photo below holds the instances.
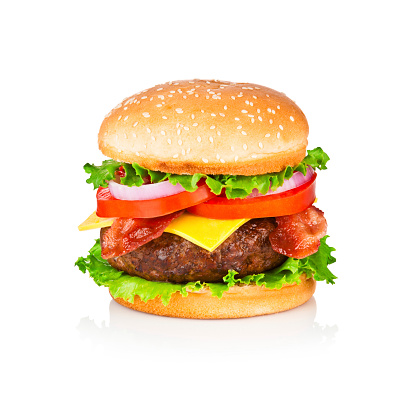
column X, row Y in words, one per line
column 67, row 347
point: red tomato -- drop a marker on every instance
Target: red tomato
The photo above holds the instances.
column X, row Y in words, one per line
column 283, row 204
column 108, row 206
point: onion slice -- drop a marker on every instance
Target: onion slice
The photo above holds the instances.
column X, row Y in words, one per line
column 295, row 181
column 144, row 192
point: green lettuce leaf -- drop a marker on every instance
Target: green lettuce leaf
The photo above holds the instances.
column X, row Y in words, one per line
column 127, row 287
column 236, row 186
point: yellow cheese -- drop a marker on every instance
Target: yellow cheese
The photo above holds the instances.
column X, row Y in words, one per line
column 95, row 222
column 204, row 232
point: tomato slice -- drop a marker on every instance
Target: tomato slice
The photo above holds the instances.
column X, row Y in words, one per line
column 283, row 204
column 108, row 206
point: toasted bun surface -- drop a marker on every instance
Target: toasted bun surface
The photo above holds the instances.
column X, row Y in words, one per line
column 210, row 127
column 238, row 302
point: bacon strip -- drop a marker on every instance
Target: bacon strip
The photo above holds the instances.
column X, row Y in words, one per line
column 298, row 235
column 127, row 234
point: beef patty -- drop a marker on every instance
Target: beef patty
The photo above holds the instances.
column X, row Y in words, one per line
column 171, row 258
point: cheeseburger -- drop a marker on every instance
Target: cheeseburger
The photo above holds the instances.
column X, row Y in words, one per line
column 206, row 203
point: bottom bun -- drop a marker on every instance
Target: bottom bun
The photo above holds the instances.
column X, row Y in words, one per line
column 237, row 302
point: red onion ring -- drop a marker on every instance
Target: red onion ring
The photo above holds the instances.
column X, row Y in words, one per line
column 144, row 192
column 296, row 180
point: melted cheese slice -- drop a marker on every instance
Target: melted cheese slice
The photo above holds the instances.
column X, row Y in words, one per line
column 95, row 222
column 204, row 232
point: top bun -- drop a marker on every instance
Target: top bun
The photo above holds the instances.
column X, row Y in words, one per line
column 206, row 126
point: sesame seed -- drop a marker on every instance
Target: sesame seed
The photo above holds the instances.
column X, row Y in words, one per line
column 169, row 141
column 251, row 116
column 269, row 110
column 246, row 102
column 146, row 115
column 164, row 117
column 271, row 121
column 175, row 156
column 225, row 107
column 232, row 148
column 134, row 134
column 183, row 151
column 221, row 114
column 137, row 153
column 160, row 89
column 144, row 97
column 237, row 119
column 213, row 114
column 125, row 108
column 267, row 95
column 252, row 119
column 260, row 145
column 278, row 134
column 254, row 156
column 199, row 139
column 196, row 95
column 195, row 124
column 192, row 116
column 278, row 107
column 119, row 117
column 244, row 111
column 158, row 105
column 221, row 160
column 281, row 127
column 239, row 127
column 233, row 98
column 244, row 132
column 178, row 131
column 170, row 96
column 135, row 124
column 186, row 128
column 236, row 158
column 162, row 132
column 245, row 147
column 212, row 126
column 218, row 156
column 179, row 110
column 149, row 131
column 211, row 139
column 205, row 160
column 153, row 138
column 259, row 118
column 291, row 118
column 255, row 97
column 180, row 142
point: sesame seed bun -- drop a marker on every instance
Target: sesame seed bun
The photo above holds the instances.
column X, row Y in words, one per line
column 210, row 127
column 238, row 302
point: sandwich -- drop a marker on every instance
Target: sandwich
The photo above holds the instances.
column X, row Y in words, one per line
column 205, row 203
